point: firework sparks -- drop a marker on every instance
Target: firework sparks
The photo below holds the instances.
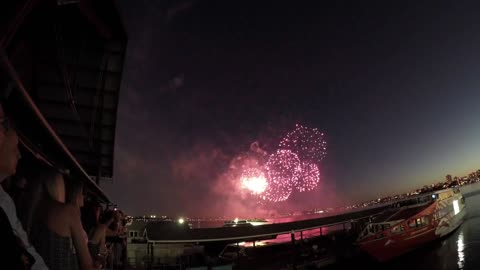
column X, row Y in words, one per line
column 310, row 177
column 307, row 143
column 283, row 170
column 293, row 167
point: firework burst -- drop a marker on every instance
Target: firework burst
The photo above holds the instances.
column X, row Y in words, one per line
column 308, row 143
column 310, row 177
column 283, row 170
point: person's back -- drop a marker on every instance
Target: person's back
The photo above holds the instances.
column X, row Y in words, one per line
column 52, row 236
column 57, row 231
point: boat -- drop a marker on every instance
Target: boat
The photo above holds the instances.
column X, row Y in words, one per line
column 245, row 222
column 413, row 223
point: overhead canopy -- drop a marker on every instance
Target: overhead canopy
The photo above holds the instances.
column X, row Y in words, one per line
column 64, row 63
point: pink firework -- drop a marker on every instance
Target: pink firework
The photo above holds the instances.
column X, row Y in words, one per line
column 307, row 143
column 283, row 170
column 254, row 181
column 310, row 177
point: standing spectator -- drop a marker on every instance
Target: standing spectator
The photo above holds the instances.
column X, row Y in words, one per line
column 74, row 197
column 57, row 232
column 19, row 254
column 97, row 230
column 116, row 235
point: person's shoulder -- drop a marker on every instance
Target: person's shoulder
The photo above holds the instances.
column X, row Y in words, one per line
column 72, row 209
column 66, row 209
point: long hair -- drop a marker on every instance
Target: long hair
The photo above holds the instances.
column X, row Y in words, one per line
column 41, row 186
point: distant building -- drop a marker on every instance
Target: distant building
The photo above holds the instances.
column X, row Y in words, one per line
column 449, row 178
column 137, row 231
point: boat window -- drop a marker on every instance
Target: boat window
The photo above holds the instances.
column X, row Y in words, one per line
column 385, row 227
column 424, row 221
column 412, row 223
column 398, row 229
column 419, row 222
column 445, row 211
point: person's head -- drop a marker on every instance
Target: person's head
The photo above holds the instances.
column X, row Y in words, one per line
column 75, row 192
column 44, row 183
column 54, row 184
column 91, row 213
column 9, row 153
column 117, row 216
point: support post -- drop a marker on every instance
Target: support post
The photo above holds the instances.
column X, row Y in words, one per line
column 238, row 254
column 294, row 259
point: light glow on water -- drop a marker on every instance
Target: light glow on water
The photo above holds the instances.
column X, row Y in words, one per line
column 460, row 249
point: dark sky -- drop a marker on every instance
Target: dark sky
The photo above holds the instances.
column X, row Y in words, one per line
column 395, row 87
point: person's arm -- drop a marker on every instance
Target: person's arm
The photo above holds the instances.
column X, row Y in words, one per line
column 110, row 233
column 103, row 236
column 77, row 232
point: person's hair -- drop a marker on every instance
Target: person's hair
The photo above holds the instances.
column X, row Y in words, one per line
column 49, row 180
column 73, row 188
column 40, row 185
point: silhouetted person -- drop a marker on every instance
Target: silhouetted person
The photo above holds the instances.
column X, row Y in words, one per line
column 17, row 253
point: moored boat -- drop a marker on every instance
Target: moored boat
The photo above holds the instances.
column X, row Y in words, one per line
column 418, row 221
column 245, row 222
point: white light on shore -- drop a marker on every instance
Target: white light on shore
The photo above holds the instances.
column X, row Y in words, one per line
column 181, row 220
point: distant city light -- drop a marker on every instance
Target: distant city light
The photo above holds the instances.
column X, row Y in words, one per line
column 181, row 221
column 235, row 220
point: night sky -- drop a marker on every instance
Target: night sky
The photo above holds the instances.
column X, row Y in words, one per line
column 395, row 88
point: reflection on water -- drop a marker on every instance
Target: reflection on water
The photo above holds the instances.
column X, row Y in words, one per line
column 460, row 248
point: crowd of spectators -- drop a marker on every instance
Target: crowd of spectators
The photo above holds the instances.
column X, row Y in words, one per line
column 46, row 219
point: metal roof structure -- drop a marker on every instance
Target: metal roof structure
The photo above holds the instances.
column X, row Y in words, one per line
column 63, row 63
